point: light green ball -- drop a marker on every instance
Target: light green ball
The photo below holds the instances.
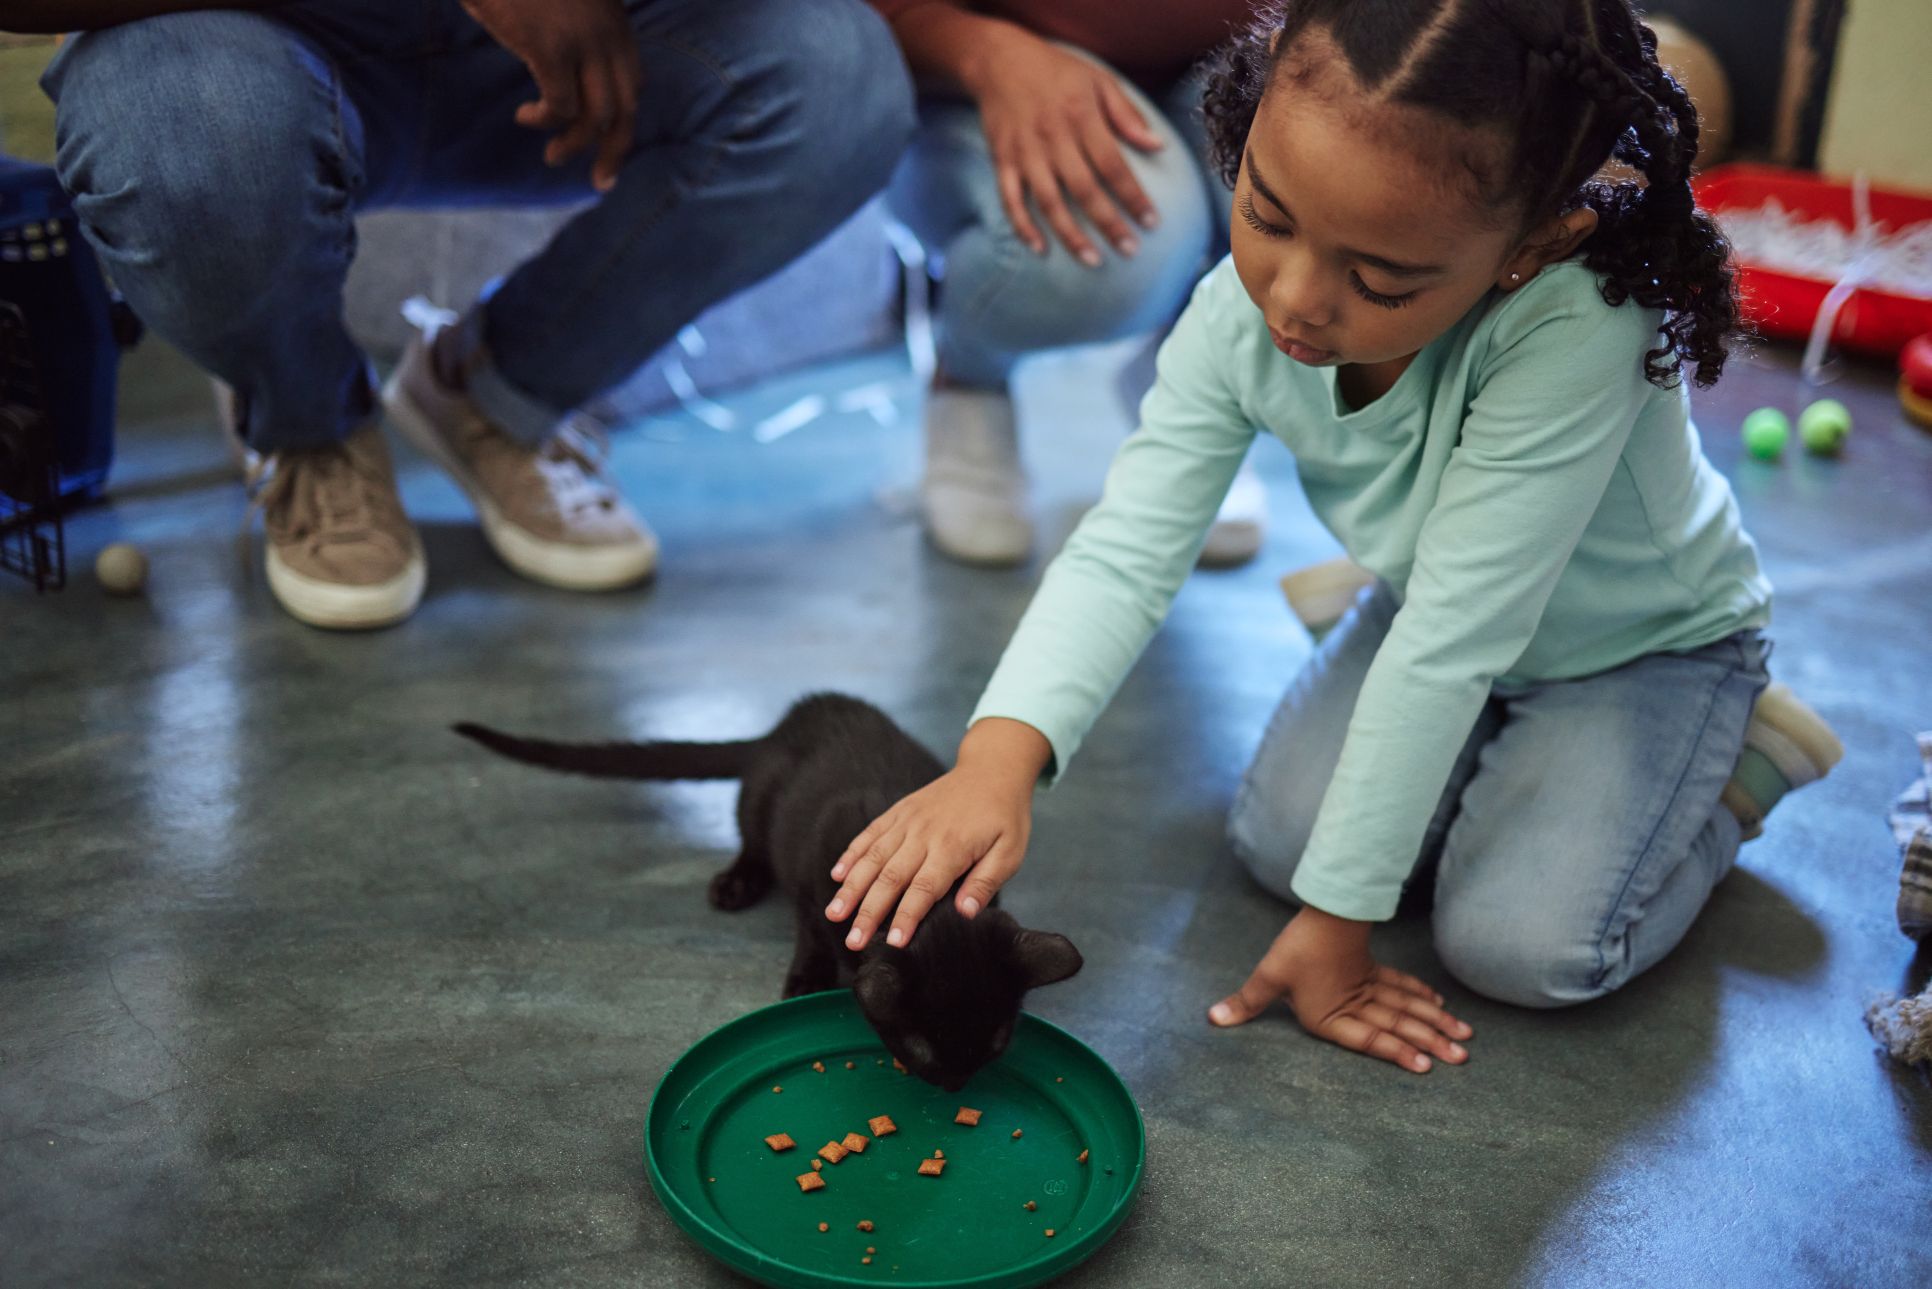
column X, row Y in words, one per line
column 1824, row 425
column 1766, row 431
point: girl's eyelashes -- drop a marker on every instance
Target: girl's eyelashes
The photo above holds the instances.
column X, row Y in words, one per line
column 1375, row 297
column 1361, row 288
column 1256, row 222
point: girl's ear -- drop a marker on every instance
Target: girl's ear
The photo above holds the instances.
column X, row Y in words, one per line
column 1555, row 239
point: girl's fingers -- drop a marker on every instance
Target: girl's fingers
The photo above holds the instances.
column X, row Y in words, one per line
column 1013, row 198
column 1404, row 981
column 925, row 889
column 886, row 885
column 1249, row 1001
column 1424, row 1010
column 991, row 873
column 1414, row 1031
column 863, row 842
column 1127, row 121
column 1104, row 155
column 616, row 146
column 859, row 878
column 1359, row 1036
column 589, row 122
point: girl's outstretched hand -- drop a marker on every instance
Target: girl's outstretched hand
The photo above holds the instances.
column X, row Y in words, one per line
column 975, row 817
column 1320, row 966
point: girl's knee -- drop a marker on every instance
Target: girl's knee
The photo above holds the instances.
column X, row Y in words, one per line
column 1513, row 958
column 1268, row 846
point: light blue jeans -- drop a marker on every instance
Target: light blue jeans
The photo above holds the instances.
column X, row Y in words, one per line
column 217, row 158
column 1580, row 832
column 1000, row 301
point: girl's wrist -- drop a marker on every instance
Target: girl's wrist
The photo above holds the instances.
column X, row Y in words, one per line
column 1010, row 752
column 953, row 47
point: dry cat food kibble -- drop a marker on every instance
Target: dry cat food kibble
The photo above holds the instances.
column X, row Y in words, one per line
column 1049, row 1233
column 882, row 1125
column 818, row 1067
column 1030, row 1206
column 855, row 1142
column 810, row 1182
column 931, row 1167
column 938, row 1154
column 867, row 1260
column 780, row 1141
column 968, row 1116
column 1058, row 1079
column 850, row 1066
column 870, row 1249
column 831, row 1152
column 897, row 1066
column 1016, row 1134
column 776, row 1088
column 865, row 1224
column 1082, row 1158
column 824, row 1226
column 817, row 1164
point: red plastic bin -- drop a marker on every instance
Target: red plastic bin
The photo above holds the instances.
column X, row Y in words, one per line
column 1785, row 304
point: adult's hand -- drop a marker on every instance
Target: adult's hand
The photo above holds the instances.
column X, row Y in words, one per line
column 584, row 59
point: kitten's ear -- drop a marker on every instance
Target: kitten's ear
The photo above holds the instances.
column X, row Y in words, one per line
column 878, row 987
column 1044, row 957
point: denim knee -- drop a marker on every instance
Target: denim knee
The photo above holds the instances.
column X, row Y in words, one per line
column 847, row 97
column 1514, row 956
column 206, row 173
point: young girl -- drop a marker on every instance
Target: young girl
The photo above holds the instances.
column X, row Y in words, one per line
column 1476, row 350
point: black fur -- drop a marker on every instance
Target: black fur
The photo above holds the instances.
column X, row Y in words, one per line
column 944, row 1005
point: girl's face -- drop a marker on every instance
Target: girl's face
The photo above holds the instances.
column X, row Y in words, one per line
column 1353, row 229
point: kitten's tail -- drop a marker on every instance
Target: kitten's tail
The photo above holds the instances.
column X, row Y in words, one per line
column 620, row 760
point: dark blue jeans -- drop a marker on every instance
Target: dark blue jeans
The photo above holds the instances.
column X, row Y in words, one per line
column 216, row 159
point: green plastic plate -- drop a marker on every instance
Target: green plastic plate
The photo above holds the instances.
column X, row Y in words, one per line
column 704, row 1147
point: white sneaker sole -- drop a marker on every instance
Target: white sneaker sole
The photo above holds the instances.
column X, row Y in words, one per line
column 565, row 565
column 339, row 606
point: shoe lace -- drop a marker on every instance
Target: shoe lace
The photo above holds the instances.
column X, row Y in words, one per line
column 327, row 496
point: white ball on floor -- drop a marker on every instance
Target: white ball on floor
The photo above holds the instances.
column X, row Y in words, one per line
column 122, row 569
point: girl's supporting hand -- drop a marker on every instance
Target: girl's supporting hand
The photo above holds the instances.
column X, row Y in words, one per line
column 975, row 817
column 1320, row 966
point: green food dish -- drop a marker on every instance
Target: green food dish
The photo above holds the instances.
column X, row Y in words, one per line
column 705, row 1152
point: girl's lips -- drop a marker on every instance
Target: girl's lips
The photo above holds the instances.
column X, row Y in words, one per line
column 1302, row 353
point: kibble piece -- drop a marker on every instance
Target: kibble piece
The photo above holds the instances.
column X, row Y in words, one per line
column 817, row 1164
column 1082, row 1158
column 865, row 1224
column 867, row 1260
column 1030, row 1206
column 1049, row 1233
column 897, row 1065
column 818, row 1067
column 850, row 1066
column 810, row 1182
column 855, row 1142
column 968, row 1116
column 1016, row 1134
column 824, row 1226
column 938, row 1154
column 931, row 1167
column 780, row 1141
column 882, row 1125
column 1058, row 1079
column 831, row 1152
column 870, row 1249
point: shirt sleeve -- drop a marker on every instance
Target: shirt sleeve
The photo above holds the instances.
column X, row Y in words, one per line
column 1556, row 404
column 1108, row 590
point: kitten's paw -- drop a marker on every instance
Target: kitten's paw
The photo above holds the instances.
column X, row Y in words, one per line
column 739, row 888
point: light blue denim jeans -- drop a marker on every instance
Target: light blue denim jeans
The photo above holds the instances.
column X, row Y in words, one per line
column 1580, row 832
column 1000, row 301
column 216, row 159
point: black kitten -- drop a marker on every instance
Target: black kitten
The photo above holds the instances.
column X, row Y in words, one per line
column 945, row 1005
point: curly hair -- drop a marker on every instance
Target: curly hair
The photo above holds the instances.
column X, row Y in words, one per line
column 1570, row 85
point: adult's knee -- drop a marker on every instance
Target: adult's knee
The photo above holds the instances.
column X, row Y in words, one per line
column 835, row 90
column 182, row 160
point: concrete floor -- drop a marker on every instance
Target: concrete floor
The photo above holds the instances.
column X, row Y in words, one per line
column 298, row 987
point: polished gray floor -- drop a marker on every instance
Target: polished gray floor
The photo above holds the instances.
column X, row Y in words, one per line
column 296, row 987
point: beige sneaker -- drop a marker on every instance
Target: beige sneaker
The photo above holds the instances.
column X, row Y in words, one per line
column 341, row 553
column 550, row 513
column 973, row 493
column 1321, row 593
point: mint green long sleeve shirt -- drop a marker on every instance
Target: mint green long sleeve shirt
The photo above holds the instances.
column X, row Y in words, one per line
column 1541, row 511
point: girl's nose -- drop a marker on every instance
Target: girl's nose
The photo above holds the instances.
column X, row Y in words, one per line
column 1300, row 298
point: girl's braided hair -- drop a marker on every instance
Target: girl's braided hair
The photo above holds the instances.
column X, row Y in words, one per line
column 1571, row 84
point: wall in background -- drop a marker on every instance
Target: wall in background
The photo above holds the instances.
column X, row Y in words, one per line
column 1879, row 117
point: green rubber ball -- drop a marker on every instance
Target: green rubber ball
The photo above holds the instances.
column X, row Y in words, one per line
column 1766, row 431
column 1824, row 425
